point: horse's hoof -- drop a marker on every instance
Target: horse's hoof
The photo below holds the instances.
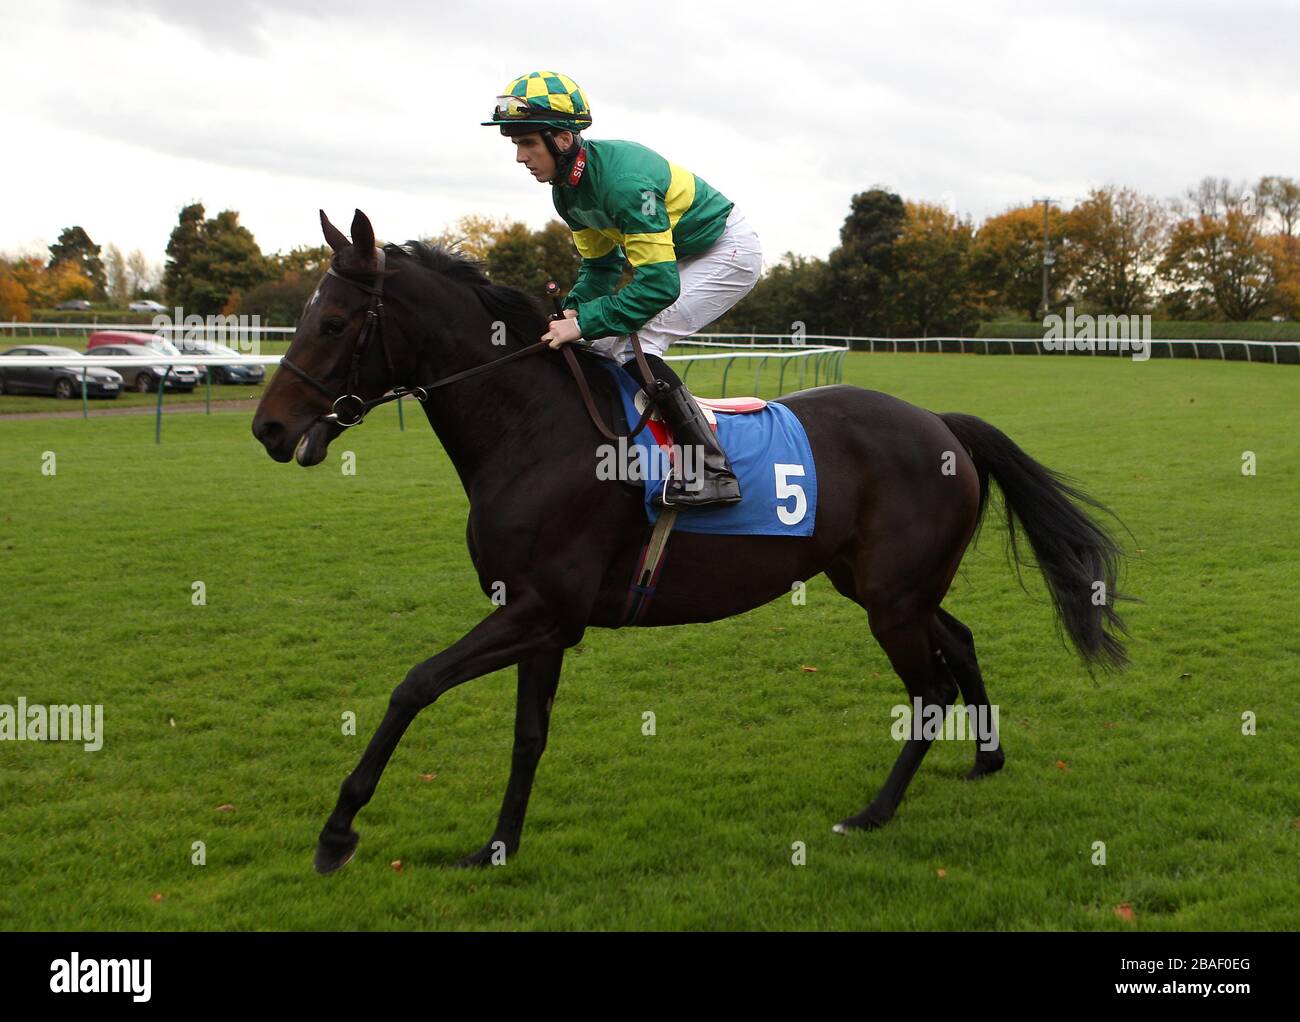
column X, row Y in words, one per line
column 868, row 819
column 985, row 765
column 491, row 854
column 333, row 855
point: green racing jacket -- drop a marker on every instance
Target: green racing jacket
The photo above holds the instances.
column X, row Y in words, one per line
column 621, row 197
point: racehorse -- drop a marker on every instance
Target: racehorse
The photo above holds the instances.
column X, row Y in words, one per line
column 902, row 493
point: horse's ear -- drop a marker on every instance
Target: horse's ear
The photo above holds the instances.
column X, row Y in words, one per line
column 363, row 237
column 332, row 234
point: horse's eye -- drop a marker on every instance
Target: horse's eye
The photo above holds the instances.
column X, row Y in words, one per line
column 333, row 325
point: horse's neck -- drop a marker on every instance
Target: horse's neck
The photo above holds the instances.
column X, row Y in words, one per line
column 490, row 421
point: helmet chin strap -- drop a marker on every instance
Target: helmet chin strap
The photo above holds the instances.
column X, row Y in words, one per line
column 563, row 160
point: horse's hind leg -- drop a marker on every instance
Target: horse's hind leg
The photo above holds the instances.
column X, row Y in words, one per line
column 910, row 540
column 909, row 642
column 958, row 647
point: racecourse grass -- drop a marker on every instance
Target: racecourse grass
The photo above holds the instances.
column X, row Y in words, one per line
column 323, row 589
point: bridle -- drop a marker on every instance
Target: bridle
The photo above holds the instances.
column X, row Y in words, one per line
column 350, row 408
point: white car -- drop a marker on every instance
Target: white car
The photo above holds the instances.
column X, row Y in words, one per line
column 147, row 305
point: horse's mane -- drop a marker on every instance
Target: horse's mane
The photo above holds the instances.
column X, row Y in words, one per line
column 521, row 312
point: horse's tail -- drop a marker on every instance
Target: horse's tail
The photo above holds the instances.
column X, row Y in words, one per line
column 1078, row 558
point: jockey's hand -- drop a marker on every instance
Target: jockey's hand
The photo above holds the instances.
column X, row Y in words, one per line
column 564, row 331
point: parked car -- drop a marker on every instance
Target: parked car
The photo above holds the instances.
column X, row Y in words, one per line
column 182, row 378
column 74, row 305
column 221, row 374
column 102, row 337
column 146, row 305
column 61, row 381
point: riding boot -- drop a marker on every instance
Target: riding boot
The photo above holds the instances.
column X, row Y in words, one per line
column 697, row 481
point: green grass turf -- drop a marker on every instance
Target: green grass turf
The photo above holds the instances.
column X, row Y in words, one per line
column 24, row 404
column 323, row 589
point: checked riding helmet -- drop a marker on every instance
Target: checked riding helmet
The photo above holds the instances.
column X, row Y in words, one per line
column 545, row 102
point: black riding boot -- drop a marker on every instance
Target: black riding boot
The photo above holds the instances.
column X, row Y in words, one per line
column 704, row 477
column 711, row 482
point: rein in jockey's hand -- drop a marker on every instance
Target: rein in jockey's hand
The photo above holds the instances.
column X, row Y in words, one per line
column 564, row 331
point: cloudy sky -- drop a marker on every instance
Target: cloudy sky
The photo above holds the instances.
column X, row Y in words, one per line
column 119, row 112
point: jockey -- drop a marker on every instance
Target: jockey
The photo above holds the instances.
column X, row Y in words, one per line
column 693, row 256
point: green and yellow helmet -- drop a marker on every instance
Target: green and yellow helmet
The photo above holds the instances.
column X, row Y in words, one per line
column 542, row 99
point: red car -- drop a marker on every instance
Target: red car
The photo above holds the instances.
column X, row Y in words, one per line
column 100, row 337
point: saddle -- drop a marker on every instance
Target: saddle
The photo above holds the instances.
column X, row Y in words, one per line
column 709, row 406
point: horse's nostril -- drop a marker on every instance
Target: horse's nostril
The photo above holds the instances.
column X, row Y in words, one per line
column 267, row 430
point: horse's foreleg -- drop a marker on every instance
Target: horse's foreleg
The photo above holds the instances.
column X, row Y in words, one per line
column 506, row 636
column 539, row 675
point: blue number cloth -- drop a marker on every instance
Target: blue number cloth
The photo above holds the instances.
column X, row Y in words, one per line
column 768, row 451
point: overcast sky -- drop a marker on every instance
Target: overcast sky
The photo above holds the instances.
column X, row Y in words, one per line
column 119, row 112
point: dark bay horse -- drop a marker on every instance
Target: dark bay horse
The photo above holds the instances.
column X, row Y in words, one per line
column 901, row 492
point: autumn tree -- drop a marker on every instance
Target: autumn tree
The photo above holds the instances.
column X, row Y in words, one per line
column 931, row 290
column 1219, row 265
column 36, row 281
column 472, row 236
column 1284, row 254
column 75, row 251
column 48, row 285
column 1116, row 239
column 1007, row 258
column 15, row 304
column 66, row 280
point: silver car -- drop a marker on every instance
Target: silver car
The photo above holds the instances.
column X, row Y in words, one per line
column 145, row 378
